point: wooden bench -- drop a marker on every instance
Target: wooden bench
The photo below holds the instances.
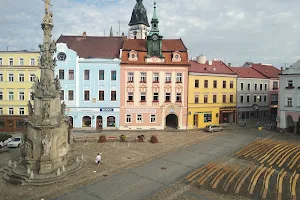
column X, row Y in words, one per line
column 294, row 160
column 256, row 179
column 226, row 170
column 293, row 186
column 280, row 177
column 228, row 182
column 208, row 174
column 267, row 177
column 243, row 178
column 198, row 172
column 287, row 156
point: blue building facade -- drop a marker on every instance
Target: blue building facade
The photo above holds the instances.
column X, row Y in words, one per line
column 90, row 80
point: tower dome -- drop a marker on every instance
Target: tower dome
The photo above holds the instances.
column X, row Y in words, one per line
column 139, row 15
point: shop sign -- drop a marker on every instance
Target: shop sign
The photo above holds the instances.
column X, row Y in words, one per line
column 204, row 112
column 135, row 110
column 106, row 110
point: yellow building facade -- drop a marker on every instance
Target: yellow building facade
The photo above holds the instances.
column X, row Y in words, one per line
column 212, row 94
column 18, row 70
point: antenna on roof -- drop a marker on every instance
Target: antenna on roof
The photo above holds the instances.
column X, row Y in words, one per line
column 119, row 28
column 104, row 32
column 7, row 48
column 250, row 59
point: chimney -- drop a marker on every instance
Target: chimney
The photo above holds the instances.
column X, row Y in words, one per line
column 123, row 35
column 281, row 69
column 214, row 59
column 229, row 64
column 210, row 62
column 84, row 34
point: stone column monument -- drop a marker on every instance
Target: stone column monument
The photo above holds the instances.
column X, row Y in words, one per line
column 47, row 135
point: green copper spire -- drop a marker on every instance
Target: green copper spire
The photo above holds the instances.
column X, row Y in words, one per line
column 154, row 22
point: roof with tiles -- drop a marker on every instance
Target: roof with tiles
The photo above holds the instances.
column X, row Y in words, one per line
column 216, row 67
column 267, row 70
column 93, row 46
column 247, row 72
column 169, row 46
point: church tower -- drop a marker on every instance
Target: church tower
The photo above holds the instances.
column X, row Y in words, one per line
column 139, row 25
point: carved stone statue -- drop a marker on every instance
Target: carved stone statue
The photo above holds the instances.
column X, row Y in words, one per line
column 57, row 83
column 46, row 145
column 28, row 150
column 63, row 108
column 46, row 110
column 30, row 108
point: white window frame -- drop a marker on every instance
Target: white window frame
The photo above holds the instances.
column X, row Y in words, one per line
column 21, row 111
column 261, row 87
column 156, row 96
column 137, row 118
column 130, row 77
column 32, row 61
column 177, row 95
column 84, row 95
column 10, row 77
column 1, row 94
column 242, row 83
column 128, row 116
column 168, row 77
column 69, row 74
column 9, row 60
column 11, row 111
column 152, row 117
column 21, row 61
column 69, row 95
column 131, row 94
column 289, row 102
column 9, row 95
column 1, row 111
column 32, row 77
column 1, row 61
column 243, row 99
column 144, row 94
column 21, row 95
column 248, row 95
column 249, row 88
column 265, row 98
column 292, row 83
column 169, row 96
column 1, row 77
column 196, row 97
column 143, row 78
column 86, row 77
column 156, row 77
column 63, row 78
column 21, row 76
column 179, row 77
column 266, row 86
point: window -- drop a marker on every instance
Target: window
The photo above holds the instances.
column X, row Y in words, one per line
column 265, row 98
column 205, row 98
column 260, row 86
column 32, row 77
column 128, row 118
column 255, row 86
column 86, row 95
column 289, row 102
column 266, row 86
column 130, row 96
column 155, row 77
column 86, row 74
column 32, row 62
column 143, row 77
column 62, row 95
column 178, row 97
column 1, row 95
column 10, row 77
column 143, row 96
column 196, row 83
column 254, row 98
column 21, row 78
column 168, row 97
column 249, row 86
column 242, row 86
column 130, row 77
column 260, row 98
column 215, row 84
column 242, row 99
column 21, row 111
column 275, row 85
column 10, row 95
column 168, row 78
column 205, row 83
column 1, row 77
column 10, row 111
column 113, row 75
column 31, row 96
column 224, row 98
column 155, row 97
column 224, row 84
column 1, row 111
column 139, row 118
column 21, row 61
column 290, row 84
column 11, row 61
column 61, row 56
column 248, row 98
column 152, row 118
column 214, row 98
column 231, row 98
column 179, row 78
column 21, row 96
column 71, row 74
column 207, row 117
column 1, row 61
column 61, row 74
column 196, row 98
column 101, row 75
column 113, row 95
column 101, row 95
column 71, row 95
column 231, row 84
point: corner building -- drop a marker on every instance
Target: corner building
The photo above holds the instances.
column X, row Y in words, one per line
column 154, row 82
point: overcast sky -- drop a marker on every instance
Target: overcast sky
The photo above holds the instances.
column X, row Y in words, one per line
column 234, row 31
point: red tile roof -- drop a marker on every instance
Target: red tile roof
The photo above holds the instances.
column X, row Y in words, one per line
column 267, row 70
column 168, row 45
column 94, row 47
column 247, row 72
column 217, row 67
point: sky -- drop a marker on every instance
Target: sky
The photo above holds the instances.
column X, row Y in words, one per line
column 234, row 31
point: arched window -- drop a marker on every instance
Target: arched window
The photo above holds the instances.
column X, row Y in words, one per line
column 86, row 121
column 111, row 121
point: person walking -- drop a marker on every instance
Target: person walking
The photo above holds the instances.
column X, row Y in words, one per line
column 98, row 158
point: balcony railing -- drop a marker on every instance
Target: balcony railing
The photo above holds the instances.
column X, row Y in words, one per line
column 274, row 102
column 275, row 88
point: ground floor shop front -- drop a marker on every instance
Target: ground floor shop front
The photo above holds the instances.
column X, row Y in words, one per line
column 9, row 123
column 249, row 113
column 94, row 118
column 154, row 118
column 289, row 121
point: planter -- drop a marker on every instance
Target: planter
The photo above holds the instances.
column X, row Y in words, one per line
column 154, row 139
column 123, row 138
column 102, row 139
column 141, row 138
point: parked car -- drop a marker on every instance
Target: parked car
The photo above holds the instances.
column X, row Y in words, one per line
column 4, row 139
column 15, row 142
column 213, row 128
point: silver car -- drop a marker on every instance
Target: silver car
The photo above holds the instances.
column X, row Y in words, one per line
column 213, row 128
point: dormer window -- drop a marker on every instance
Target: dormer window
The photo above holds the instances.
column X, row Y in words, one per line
column 133, row 56
column 176, row 57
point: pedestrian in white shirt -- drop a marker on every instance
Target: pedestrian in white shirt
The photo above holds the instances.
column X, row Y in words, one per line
column 98, row 158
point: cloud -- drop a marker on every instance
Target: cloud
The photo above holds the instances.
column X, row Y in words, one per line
column 233, row 30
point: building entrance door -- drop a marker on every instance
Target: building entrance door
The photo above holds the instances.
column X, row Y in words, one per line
column 196, row 121
column 172, row 121
column 11, row 125
column 99, row 123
